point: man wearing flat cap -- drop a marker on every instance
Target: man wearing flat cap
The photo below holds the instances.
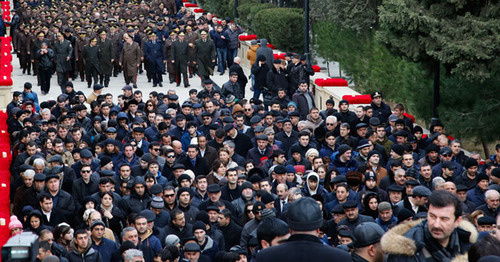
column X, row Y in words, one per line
column 367, row 246
column 417, row 201
column 304, row 219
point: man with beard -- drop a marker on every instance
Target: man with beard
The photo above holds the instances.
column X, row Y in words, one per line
column 442, row 236
column 367, row 245
column 82, row 249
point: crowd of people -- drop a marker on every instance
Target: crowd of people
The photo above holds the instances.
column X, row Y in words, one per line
column 215, row 176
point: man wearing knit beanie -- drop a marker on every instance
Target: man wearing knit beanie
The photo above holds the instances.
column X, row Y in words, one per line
column 468, row 177
column 208, row 246
column 343, row 161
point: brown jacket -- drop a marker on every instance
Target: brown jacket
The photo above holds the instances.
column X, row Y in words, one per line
column 380, row 172
column 252, row 54
column 130, row 57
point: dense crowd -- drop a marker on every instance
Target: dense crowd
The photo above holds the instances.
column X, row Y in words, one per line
column 214, row 176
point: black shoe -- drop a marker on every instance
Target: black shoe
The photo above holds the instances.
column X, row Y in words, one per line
column 154, row 85
column 172, row 81
column 186, row 86
column 160, row 84
column 88, row 86
column 141, row 71
column 149, row 80
column 135, row 86
column 221, row 74
column 178, row 85
column 191, row 76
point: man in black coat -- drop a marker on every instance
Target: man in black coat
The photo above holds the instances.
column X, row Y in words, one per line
column 242, row 79
column 304, row 219
column 380, row 109
column 304, row 100
column 50, row 217
column 85, row 185
column 276, row 78
column 229, row 228
column 194, row 162
column 259, row 70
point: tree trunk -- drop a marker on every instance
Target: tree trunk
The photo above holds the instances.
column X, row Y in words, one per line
column 485, row 148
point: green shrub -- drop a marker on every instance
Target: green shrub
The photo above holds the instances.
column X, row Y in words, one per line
column 247, row 13
column 283, row 27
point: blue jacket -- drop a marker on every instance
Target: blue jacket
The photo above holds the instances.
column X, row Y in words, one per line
column 476, row 196
column 217, row 38
column 343, row 168
column 106, row 249
column 154, row 53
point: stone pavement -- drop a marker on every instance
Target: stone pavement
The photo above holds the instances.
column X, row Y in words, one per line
column 116, row 84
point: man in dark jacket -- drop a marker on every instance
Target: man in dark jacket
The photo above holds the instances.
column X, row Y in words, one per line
column 440, row 237
column 380, row 109
column 232, row 87
column 62, row 53
column 304, row 219
column 259, row 70
column 242, row 79
column 91, row 55
column 229, row 228
column 82, row 250
column 155, row 56
column 44, row 56
column 180, row 58
column 138, row 198
column 220, row 39
column 107, row 50
column 366, row 237
column 276, row 78
column 205, row 55
column 304, row 99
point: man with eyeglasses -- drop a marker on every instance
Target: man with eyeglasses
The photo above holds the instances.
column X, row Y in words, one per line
column 169, row 198
column 446, row 155
column 206, row 119
column 154, row 151
column 167, row 170
column 86, row 185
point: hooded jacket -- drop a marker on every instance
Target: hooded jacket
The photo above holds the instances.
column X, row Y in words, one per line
column 252, row 53
column 405, row 242
column 133, row 202
column 88, row 254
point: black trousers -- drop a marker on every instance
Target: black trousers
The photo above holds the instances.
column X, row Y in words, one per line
column 44, row 75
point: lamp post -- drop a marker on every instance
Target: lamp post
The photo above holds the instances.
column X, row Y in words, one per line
column 235, row 9
column 306, row 30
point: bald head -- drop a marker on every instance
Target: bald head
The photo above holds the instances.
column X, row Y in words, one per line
column 237, row 60
column 450, row 186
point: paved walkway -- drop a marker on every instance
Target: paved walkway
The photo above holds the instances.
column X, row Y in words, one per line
column 115, row 84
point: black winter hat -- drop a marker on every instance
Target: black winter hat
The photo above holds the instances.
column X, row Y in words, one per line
column 470, row 162
column 343, row 148
column 304, row 215
column 398, row 149
column 367, row 233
